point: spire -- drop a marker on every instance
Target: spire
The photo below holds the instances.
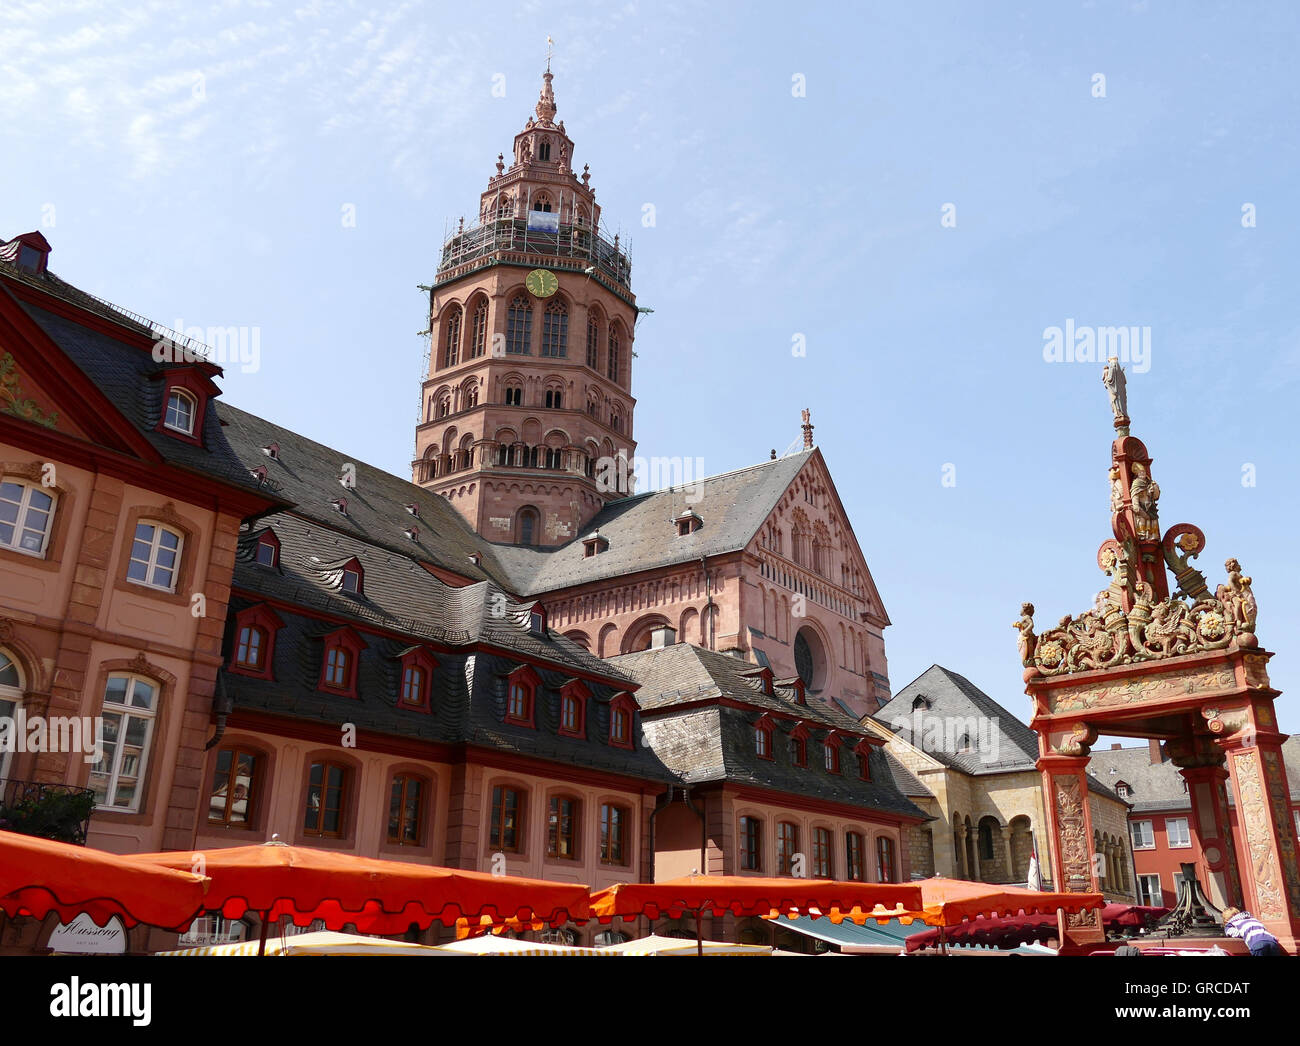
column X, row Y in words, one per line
column 546, row 102
column 807, row 429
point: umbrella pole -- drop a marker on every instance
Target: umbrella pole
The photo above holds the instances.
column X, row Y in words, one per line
column 699, row 933
column 261, row 940
column 943, row 940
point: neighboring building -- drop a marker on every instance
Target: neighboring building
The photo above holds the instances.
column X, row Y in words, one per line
column 969, row 763
column 1161, row 827
column 120, row 507
column 769, row 778
column 527, row 431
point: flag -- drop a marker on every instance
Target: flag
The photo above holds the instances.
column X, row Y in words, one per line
column 1035, row 878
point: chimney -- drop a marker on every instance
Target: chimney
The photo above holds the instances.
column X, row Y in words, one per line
column 1157, row 756
column 663, row 636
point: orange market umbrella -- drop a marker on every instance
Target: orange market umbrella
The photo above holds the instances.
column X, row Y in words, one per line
column 744, row 895
column 39, row 876
column 378, row 897
column 947, row 902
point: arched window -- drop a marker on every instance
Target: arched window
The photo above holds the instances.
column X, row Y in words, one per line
column 986, row 840
column 406, row 806
column 613, row 833
column 555, row 329
column 593, row 341
column 130, row 710
column 855, row 853
column 507, row 819
column 555, row 398
column 562, row 828
column 798, row 750
column 787, row 845
column 26, row 512
column 831, row 757
column 471, row 397
column 822, row 853
column 236, row 782
column 526, row 524
column 451, row 345
column 180, row 411
column 155, row 556
column 444, row 406
column 327, row 797
column 612, row 370
column 519, row 327
column 751, row 844
column 763, row 740
column 478, row 343
column 11, row 696
column 514, row 396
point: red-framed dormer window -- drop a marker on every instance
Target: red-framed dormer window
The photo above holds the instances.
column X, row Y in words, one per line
column 338, row 673
column 352, row 581
column 573, row 709
column 268, row 549
column 186, row 392
column 521, row 696
column 763, row 737
column 254, row 646
column 796, row 686
column 799, row 746
column 29, row 251
column 537, row 620
column 863, row 750
column 415, row 687
column 831, row 753
column 764, row 675
column 621, row 711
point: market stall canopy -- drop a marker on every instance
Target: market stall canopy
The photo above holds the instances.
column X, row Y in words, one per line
column 887, row 938
column 655, row 945
column 946, row 902
column 744, row 895
column 320, row 942
column 39, row 876
column 1007, row 931
column 381, row 897
column 491, row 945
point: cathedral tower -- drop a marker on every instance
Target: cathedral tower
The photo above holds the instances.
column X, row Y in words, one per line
column 531, row 319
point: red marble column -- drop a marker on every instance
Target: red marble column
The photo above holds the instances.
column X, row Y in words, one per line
column 1070, row 834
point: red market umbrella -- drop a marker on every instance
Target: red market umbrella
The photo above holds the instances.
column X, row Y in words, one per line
column 1009, row 931
column 39, row 876
column 744, row 895
column 378, row 897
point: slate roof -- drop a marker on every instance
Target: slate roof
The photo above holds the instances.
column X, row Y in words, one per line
column 1158, row 787
column 127, row 376
column 715, row 742
column 307, row 474
column 641, row 533
column 954, row 697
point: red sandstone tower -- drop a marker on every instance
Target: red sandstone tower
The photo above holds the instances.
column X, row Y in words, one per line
column 531, row 319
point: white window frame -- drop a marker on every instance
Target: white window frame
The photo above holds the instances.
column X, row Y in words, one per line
column 24, row 508
column 1186, row 832
column 1150, row 835
column 113, row 753
column 189, row 398
column 152, row 565
column 343, row 581
column 1144, row 892
column 11, row 699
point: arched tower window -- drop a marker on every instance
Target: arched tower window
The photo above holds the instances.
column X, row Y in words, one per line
column 612, row 369
column 526, row 526
column 478, row 343
column 555, row 329
column 519, row 327
column 593, row 340
column 451, row 344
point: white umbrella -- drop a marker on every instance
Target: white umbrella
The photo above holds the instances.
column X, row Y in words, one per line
column 322, row 942
column 656, row 945
column 489, row 944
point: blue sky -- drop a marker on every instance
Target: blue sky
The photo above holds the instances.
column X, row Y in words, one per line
column 192, row 162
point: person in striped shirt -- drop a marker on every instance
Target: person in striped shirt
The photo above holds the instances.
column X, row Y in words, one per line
column 1237, row 923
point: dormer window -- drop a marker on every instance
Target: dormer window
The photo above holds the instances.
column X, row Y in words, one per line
column 798, row 750
column 921, row 703
column 180, row 411
column 573, row 709
column 594, row 545
column 258, row 474
column 268, row 549
column 521, row 691
column 29, row 252
column 764, row 676
column 417, row 675
column 537, row 621
column 763, row 737
column 620, row 720
column 255, row 630
column 863, row 752
column 831, row 755
column 1123, row 790
column 687, row 523
column 351, row 581
column 339, row 665
column 412, row 533
column 413, row 510
column 340, row 505
column 272, row 450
